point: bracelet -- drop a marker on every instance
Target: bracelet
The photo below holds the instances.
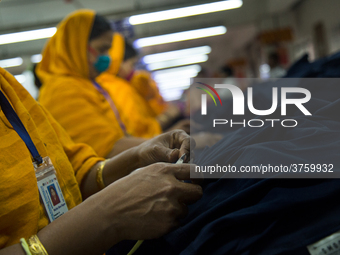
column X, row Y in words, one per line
column 35, row 246
column 99, row 175
column 25, row 246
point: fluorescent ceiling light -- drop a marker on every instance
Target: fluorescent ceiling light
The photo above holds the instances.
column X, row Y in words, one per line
column 178, row 72
column 175, row 78
column 27, row 35
column 196, row 68
column 36, row 58
column 171, row 95
column 178, row 62
column 159, row 57
column 180, row 36
column 11, row 62
column 185, row 12
column 183, row 84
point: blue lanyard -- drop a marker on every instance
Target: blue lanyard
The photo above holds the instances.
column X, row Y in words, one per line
column 19, row 127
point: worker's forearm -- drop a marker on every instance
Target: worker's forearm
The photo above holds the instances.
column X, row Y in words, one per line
column 115, row 168
column 82, row 230
column 124, row 144
column 121, row 165
column 15, row 249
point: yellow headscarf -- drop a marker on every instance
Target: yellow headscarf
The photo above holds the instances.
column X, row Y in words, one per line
column 65, row 52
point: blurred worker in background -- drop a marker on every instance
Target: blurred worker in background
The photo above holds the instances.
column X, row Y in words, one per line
column 142, row 81
column 135, row 111
column 131, row 107
column 167, row 114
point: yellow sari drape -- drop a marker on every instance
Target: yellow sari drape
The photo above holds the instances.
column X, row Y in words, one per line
column 21, row 214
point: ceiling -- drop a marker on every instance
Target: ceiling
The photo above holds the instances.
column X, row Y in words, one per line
column 242, row 23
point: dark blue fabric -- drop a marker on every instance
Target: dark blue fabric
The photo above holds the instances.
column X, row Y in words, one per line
column 19, row 127
column 267, row 216
column 327, row 67
column 264, row 216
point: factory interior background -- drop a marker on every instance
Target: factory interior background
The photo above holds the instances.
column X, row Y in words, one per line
column 242, row 37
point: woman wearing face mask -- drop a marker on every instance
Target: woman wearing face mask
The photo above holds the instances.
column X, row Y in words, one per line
column 71, row 61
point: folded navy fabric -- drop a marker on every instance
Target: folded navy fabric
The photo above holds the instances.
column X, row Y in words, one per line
column 267, row 216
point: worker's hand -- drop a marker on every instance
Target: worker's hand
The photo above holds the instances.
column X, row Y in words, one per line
column 149, row 202
column 167, row 147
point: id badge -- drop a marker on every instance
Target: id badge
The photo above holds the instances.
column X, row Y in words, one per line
column 49, row 189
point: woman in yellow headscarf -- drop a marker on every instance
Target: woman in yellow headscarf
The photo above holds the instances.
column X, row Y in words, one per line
column 142, row 82
column 71, row 61
column 141, row 107
column 134, row 111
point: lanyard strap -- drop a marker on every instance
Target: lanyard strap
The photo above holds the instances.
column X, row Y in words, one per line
column 113, row 106
column 19, row 127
